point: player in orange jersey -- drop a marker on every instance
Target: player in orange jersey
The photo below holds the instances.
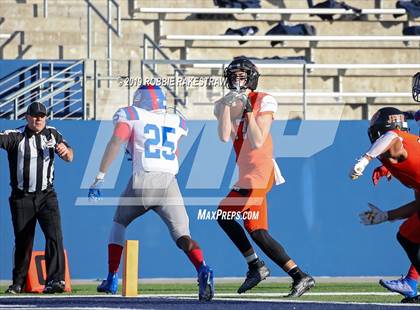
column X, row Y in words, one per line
column 245, row 116
column 399, row 152
column 402, row 285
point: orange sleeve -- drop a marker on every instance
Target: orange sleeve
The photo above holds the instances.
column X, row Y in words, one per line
column 122, row 131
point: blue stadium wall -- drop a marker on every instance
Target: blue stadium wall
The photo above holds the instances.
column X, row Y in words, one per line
column 314, row 214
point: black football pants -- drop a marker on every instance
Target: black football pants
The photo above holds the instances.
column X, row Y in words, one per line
column 26, row 209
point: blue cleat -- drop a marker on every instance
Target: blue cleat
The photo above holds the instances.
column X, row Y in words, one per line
column 404, row 286
column 110, row 285
column 205, row 283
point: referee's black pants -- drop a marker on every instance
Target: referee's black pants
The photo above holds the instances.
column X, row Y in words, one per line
column 26, row 209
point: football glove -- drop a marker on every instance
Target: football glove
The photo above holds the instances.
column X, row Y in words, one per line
column 230, row 98
column 380, row 172
column 358, row 168
column 373, row 216
column 94, row 190
column 246, row 103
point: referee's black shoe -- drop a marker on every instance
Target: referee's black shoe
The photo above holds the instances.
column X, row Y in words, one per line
column 254, row 276
column 14, row 289
column 54, row 286
column 301, row 286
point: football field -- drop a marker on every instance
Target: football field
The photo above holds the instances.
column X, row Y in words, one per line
column 355, row 295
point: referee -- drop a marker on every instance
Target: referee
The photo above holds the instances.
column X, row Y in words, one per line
column 31, row 151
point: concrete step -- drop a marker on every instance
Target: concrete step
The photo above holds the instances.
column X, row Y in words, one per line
column 74, row 38
column 120, row 67
column 58, row 8
column 296, row 4
column 387, row 19
column 289, row 72
column 290, row 4
column 362, row 55
column 12, row 51
column 34, row 8
column 74, row 31
column 74, row 24
column 43, row 24
column 281, row 82
column 195, row 27
column 215, row 44
column 320, row 55
column 109, row 100
column 8, row 9
column 322, row 111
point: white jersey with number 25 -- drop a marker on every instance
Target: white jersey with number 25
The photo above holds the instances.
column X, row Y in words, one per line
column 154, row 138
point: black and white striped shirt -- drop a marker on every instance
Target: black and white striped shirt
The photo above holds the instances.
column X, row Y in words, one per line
column 31, row 157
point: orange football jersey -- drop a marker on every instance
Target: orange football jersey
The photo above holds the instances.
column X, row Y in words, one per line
column 407, row 171
column 255, row 164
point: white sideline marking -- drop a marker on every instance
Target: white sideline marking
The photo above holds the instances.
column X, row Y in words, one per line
column 17, row 306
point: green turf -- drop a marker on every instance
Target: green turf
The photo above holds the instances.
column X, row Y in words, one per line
column 181, row 288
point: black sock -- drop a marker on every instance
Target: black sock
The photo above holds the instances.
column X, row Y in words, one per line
column 296, row 273
column 256, row 263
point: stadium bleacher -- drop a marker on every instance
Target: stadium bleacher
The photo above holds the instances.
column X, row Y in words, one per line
column 58, row 30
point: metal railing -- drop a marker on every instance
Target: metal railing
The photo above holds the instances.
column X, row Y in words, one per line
column 151, row 65
column 45, row 8
column 19, row 35
column 97, row 79
column 110, row 27
column 58, row 84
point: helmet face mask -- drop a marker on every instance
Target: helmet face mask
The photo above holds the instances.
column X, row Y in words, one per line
column 416, row 87
column 241, row 74
column 384, row 120
column 238, row 78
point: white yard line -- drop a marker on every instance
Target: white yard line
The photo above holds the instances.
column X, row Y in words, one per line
column 321, row 279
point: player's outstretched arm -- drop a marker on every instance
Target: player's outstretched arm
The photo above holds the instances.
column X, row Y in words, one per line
column 406, row 210
column 359, row 167
column 120, row 136
column 111, row 152
column 389, row 142
column 376, row 216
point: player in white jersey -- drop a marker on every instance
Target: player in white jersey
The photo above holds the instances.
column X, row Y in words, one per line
column 152, row 137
